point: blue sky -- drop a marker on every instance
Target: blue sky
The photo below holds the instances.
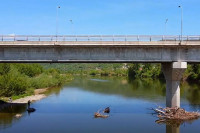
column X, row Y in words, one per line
column 102, row 17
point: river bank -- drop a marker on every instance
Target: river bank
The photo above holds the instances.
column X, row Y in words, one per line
column 38, row 95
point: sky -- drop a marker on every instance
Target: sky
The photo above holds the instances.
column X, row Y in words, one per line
column 99, row 17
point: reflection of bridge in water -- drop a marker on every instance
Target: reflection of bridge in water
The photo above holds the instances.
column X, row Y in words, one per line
column 168, row 50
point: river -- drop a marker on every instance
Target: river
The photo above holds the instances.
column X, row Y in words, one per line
column 71, row 108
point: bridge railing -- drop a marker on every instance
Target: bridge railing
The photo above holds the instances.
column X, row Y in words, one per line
column 97, row 38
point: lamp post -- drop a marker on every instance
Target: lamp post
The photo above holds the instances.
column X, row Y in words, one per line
column 181, row 39
column 166, row 27
column 58, row 7
column 72, row 24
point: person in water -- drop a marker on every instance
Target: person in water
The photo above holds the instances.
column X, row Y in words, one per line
column 10, row 100
column 29, row 103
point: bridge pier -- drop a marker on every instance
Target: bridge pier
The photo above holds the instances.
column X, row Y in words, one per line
column 173, row 73
column 172, row 129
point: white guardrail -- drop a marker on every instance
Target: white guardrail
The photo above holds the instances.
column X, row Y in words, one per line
column 97, row 38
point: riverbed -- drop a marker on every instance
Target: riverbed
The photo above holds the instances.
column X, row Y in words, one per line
column 71, row 108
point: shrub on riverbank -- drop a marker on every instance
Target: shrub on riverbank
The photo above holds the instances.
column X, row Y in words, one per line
column 45, row 80
column 145, row 71
column 193, row 73
column 22, row 79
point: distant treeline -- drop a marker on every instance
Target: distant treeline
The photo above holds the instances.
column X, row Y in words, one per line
column 104, row 69
column 22, row 79
column 137, row 70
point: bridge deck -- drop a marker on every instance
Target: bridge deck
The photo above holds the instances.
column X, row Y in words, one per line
column 99, row 49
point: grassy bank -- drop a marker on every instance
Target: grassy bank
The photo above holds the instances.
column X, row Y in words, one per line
column 20, row 80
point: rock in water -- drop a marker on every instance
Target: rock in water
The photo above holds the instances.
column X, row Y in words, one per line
column 18, row 115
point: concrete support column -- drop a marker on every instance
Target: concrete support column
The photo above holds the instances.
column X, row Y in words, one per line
column 173, row 73
column 172, row 129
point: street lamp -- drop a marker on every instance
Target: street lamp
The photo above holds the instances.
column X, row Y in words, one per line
column 72, row 24
column 58, row 7
column 181, row 39
column 166, row 26
column 71, row 21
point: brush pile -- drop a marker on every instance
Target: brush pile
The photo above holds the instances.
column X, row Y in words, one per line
column 99, row 115
column 175, row 114
column 102, row 115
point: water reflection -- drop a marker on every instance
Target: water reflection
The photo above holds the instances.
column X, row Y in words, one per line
column 71, row 108
column 143, row 89
column 122, row 87
column 192, row 93
column 8, row 113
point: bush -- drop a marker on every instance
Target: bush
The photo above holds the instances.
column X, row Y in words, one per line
column 13, row 84
column 45, row 80
column 30, row 70
column 145, row 71
column 4, row 68
column 22, row 79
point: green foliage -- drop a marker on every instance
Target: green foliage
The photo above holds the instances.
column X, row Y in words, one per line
column 94, row 72
column 30, row 70
column 193, row 72
column 52, row 71
column 44, row 81
column 4, row 68
column 104, row 69
column 153, row 71
column 13, row 83
column 21, row 79
column 144, row 71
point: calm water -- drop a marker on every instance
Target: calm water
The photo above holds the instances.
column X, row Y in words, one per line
column 71, row 108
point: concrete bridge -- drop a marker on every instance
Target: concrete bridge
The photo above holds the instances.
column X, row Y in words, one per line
column 172, row 51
